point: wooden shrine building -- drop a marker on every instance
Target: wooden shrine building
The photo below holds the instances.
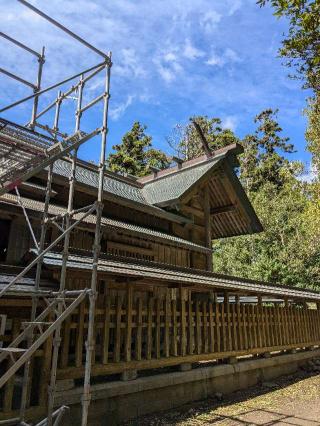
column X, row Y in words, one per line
column 159, row 303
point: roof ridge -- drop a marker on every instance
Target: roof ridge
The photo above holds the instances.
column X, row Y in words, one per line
column 187, row 165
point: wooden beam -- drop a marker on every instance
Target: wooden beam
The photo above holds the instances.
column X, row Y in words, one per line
column 207, row 224
column 222, row 209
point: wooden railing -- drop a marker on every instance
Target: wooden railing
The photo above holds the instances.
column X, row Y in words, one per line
column 137, row 328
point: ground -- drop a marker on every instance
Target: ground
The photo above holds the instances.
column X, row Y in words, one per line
column 291, row 400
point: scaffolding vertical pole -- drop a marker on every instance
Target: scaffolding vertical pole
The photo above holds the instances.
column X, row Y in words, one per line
column 57, row 114
column 86, row 397
column 65, row 255
column 35, row 298
column 79, row 103
column 41, row 60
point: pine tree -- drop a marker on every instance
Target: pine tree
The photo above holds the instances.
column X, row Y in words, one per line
column 263, row 160
column 135, row 155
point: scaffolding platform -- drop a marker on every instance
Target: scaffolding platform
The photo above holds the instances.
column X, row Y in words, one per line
column 24, row 152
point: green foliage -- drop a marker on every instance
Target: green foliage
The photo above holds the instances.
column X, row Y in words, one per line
column 282, row 253
column 301, row 45
column 263, row 159
column 135, row 154
column 313, row 132
column 186, row 141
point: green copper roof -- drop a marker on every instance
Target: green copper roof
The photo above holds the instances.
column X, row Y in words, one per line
column 112, row 185
column 172, row 186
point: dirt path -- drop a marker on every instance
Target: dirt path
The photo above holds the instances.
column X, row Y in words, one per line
column 293, row 400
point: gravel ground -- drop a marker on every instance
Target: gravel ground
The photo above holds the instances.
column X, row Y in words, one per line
column 290, row 400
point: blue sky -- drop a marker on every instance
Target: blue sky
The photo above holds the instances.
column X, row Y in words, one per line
column 172, row 59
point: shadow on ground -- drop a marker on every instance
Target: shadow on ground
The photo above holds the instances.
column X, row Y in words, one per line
column 290, row 400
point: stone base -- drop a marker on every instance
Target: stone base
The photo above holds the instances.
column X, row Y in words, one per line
column 185, row 367
column 129, row 375
column 119, row 401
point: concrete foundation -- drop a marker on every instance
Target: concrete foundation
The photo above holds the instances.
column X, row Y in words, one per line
column 118, row 401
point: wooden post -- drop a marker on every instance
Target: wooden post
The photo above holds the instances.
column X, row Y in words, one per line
column 158, row 328
column 138, row 350
column 65, row 342
column 183, row 336
column 149, row 328
column 9, row 388
column 128, row 323
column 117, row 343
column 205, row 327
column 211, row 325
column 228, row 320
column 191, row 326
column 80, row 331
column 245, row 325
column 174, row 328
column 167, row 325
column 207, row 224
column 240, row 323
column 217, row 321
column 235, row 327
column 198, row 328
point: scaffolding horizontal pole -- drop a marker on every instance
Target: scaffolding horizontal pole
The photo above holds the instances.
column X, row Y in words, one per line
column 93, row 102
column 53, row 86
column 19, row 44
column 49, row 130
column 38, row 342
column 10, row 422
column 72, row 213
column 71, row 90
column 22, row 336
column 42, row 254
column 63, row 28
column 16, row 77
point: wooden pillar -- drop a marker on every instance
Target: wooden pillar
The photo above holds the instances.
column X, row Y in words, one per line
column 207, row 224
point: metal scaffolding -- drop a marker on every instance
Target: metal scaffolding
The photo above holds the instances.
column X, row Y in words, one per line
column 24, row 152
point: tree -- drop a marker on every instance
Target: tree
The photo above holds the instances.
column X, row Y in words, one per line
column 263, row 160
column 313, row 133
column 186, row 142
column 282, row 252
column 301, row 46
column 135, row 155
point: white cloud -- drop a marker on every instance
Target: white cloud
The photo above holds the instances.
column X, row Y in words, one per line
column 210, row 20
column 235, row 6
column 231, row 55
column 167, row 64
column 129, row 64
column 166, row 73
column 191, row 52
column 226, row 57
column 170, row 57
column 230, row 122
column 215, row 60
column 116, row 113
